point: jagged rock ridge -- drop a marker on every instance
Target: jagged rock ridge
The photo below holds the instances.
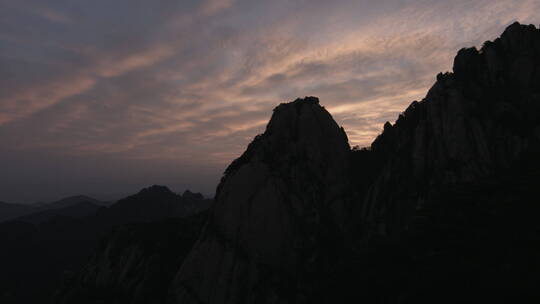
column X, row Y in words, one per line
column 278, row 212
column 473, row 123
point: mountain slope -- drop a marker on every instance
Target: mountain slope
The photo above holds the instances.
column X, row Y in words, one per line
column 68, row 201
column 474, row 123
column 75, row 210
column 278, row 213
column 451, row 206
column 16, row 211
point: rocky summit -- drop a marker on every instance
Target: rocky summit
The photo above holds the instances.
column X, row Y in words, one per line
column 278, row 212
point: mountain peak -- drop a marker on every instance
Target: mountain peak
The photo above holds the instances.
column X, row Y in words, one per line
column 277, row 202
column 517, row 46
column 479, row 119
column 305, row 100
column 297, row 104
column 301, row 123
column 192, row 195
column 155, row 189
column 518, row 31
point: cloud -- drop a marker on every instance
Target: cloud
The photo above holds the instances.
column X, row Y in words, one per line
column 190, row 83
column 30, row 100
column 211, row 7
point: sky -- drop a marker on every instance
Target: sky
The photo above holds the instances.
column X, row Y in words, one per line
column 102, row 97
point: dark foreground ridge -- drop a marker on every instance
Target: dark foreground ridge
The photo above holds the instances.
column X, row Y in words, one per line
column 442, row 208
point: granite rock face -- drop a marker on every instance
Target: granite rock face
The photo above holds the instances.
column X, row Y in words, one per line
column 473, row 123
column 278, row 213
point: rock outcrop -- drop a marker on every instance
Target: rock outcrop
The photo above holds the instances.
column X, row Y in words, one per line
column 475, row 122
column 278, row 214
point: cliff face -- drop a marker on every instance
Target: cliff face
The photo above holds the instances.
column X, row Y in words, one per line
column 473, row 123
column 278, row 213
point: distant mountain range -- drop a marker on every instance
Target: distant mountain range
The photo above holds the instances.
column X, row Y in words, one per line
column 75, row 210
column 9, row 211
column 68, row 201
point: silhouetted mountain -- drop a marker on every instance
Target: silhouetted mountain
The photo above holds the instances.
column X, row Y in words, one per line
column 154, row 203
column 81, row 209
column 442, row 207
column 68, row 201
column 279, row 208
column 452, row 197
column 9, row 211
column 478, row 121
column 42, row 249
column 15, row 211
